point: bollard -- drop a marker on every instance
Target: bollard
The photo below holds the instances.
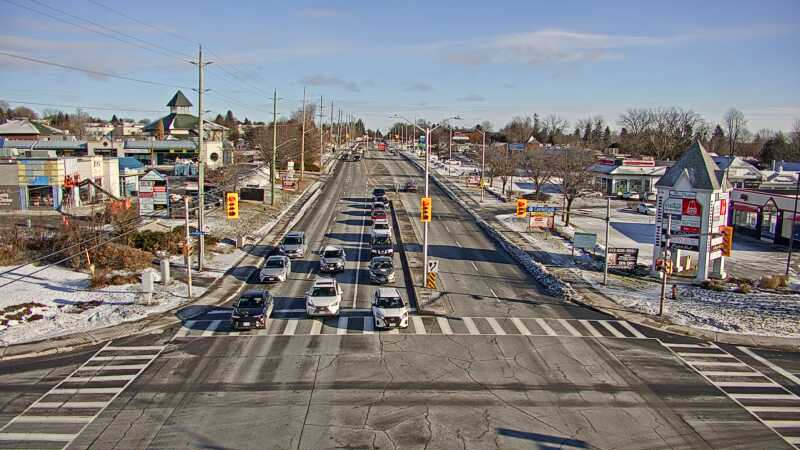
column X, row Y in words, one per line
column 148, row 279
column 165, row 275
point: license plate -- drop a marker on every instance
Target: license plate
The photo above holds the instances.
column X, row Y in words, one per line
column 245, row 324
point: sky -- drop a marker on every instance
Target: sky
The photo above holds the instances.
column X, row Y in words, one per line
column 478, row 60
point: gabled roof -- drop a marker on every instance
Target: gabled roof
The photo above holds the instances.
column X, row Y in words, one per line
column 25, row 126
column 179, row 100
column 700, row 169
column 175, row 121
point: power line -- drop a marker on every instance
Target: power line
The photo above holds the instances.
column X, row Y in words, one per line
column 92, row 72
column 103, row 108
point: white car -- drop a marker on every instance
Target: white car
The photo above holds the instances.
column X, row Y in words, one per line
column 324, row 298
column 646, row 208
column 379, row 226
column 276, row 268
column 630, row 195
column 388, row 309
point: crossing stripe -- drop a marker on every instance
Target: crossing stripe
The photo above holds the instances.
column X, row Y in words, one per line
column 75, row 405
column 722, row 373
column 705, row 355
column 186, row 327
column 630, row 328
column 53, row 419
column 675, row 345
column 369, row 326
column 122, row 357
column 789, row 409
column 590, row 328
column 495, row 326
column 342, row 325
column 717, row 363
column 783, row 423
column 316, row 327
column 291, row 326
column 444, row 325
column 111, row 367
column 744, row 384
column 135, row 348
column 547, row 329
column 235, row 333
column 99, row 378
column 45, row 437
column 568, row 326
column 419, row 326
column 470, row 325
column 792, row 439
column 74, row 391
column 613, row 330
column 212, row 327
column 523, row 330
column 769, row 364
column 763, row 396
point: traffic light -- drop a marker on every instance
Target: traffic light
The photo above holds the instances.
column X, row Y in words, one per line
column 727, row 240
column 522, row 207
column 232, row 205
column 425, row 209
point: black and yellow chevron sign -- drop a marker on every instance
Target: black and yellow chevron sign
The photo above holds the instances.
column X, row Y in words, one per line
column 431, row 282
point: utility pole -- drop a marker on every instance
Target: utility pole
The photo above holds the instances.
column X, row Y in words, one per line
column 201, row 166
column 330, row 131
column 794, row 219
column 274, row 146
column 483, row 162
column 664, row 264
column 321, row 145
column 188, row 247
column 450, row 158
column 303, row 139
column 339, row 129
column 608, row 221
column 425, row 229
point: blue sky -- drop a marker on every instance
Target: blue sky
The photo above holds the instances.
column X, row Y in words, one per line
column 481, row 60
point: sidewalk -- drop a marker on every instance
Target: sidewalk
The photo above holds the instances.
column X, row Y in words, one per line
column 218, row 292
column 559, row 275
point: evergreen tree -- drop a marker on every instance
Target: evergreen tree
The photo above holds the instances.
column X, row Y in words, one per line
column 587, row 132
column 607, row 136
column 717, row 139
column 247, row 121
column 219, row 120
column 114, row 120
column 230, row 119
column 537, row 127
column 776, row 149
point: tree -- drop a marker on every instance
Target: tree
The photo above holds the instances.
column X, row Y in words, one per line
column 159, row 130
column 795, row 137
column 144, row 121
column 553, row 127
column 114, row 120
column 519, row 130
column 776, row 149
column 607, row 136
column 537, row 127
column 735, row 124
column 485, row 126
column 219, row 120
column 717, row 139
column 77, row 123
column 246, row 121
column 22, row 112
column 3, row 111
column 540, row 167
column 576, row 180
column 230, row 119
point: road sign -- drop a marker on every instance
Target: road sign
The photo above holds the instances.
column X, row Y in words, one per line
column 197, row 233
column 622, row 258
column 584, row 240
column 516, row 147
column 727, row 240
column 425, row 209
column 231, row 205
column 541, row 210
column 522, row 207
column 431, row 281
column 433, row 266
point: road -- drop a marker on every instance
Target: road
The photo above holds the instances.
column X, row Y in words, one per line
column 508, row 367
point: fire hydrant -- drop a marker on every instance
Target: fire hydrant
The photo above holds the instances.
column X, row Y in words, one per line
column 674, row 292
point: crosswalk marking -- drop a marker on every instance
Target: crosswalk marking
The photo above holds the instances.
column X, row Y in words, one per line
column 443, row 325
column 122, row 357
column 100, row 378
column 792, row 439
column 547, row 329
column 772, row 366
column 722, row 373
column 185, row 328
column 316, row 327
column 717, row 363
column 73, row 405
column 211, row 328
column 568, row 326
column 705, row 355
column 470, row 325
column 369, row 326
column 291, row 326
column 633, row 330
column 342, row 326
column 523, row 330
column 136, row 348
column 53, row 419
column 113, row 367
column 590, row 328
column 419, row 325
column 611, row 328
column 777, row 409
column 495, row 326
column 678, row 345
column 73, row 391
column 763, row 396
column 783, row 423
column 44, row 437
column 744, row 384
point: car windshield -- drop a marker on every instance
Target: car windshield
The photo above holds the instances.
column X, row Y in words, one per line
column 382, row 264
column 335, row 253
column 381, row 226
column 292, row 240
column 378, row 192
column 274, row 263
column 389, row 302
column 382, row 240
column 323, row 291
column 250, row 302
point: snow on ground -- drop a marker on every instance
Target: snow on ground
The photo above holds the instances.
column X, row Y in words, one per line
column 766, row 314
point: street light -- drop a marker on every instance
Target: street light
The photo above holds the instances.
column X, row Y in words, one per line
column 483, row 156
column 427, row 130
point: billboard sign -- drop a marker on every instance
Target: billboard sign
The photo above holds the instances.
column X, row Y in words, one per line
column 622, row 258
column 584, row 240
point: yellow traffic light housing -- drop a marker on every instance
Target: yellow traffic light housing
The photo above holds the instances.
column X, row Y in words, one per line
column 522, row 207
column 425, row 209
column 232, row 205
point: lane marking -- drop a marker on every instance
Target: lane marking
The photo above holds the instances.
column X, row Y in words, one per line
column 673, row 345
column 717, row 363
column 53, row 419
column 369, row 326
column 447, row 229
column 547, row 329
column 121, row 357
column 459, row 244
column 763, row 396
column 567, row 326
column 73, row 391
column 771, row 365
column 744, row 384
column 133, row 348
column 444, row 325
column 705, row 355
column 611, row 328
column 44, row 437
column 100, row 378
column 470, row 325
column 74, row 405
column 722, row 373
column 632, row 329
column 123, row 367
column 310, row 272
column 783, row 423
column 590, row 328
column 495, row 326
column 186, row 327
column 473, row 265
column 523, row 330
column 789, row 409
column 419, row 326
column 211, row 328
column 291, row 326
column 360, row 243
column 342, row 325
column 494, row 294
column 316, row 327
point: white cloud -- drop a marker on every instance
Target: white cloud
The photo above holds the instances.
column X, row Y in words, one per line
column 324, row 80
column 419, row 87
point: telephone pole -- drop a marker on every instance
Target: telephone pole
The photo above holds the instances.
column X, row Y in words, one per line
column 303, row 139
column 201, row 162
column 274, row 146
column 339, row 128
column 330, row 131
column 321, row 145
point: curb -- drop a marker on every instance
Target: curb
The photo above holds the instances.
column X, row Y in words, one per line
column 554, row 286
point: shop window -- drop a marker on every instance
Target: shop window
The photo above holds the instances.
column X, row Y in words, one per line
column 745, row 219
column 769, row 222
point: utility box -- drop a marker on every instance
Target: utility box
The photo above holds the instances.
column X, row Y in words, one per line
column 165, row 275
column 148, row 281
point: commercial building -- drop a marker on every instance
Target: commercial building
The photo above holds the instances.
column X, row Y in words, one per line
column 764, row 215
column 614, row 175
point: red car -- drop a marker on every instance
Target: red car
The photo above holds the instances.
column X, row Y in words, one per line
column 378, row 213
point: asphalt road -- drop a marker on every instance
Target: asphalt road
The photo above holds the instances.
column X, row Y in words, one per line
column 508, row 368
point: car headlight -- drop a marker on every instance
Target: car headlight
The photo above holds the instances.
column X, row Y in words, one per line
column 309, row 302
column 340, row 264
column 234, row 316
column 405, row 314
column 379, row 314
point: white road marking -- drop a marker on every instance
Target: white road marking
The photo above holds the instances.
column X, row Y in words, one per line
column 310, row 272
column 419, row 326
column 369, row 326
column 44, row 437
column 291, row 326
column 789, row 409
column 716, row 363
column 342, row 325
column 186, row 327
column 211, row 328
column 630, row 328
column 495, row 326
column 53, row 419
column 473, row 265
column 611, row 328
column 673, row 345
column 494, row 294
column 100, row 378
column 722, row 373
column 763, row 396
column 523, row 330
column 316, row 327
column 444, row 325
column 470, row 325
column 132, row 349
column 68, row 391
column 360, row 244
column 744, row 384
column 122, row 357
column 73, row 405
column 123, row 367
column 447, row 229
column 547, row 329
column 591, row 329
column 705, row 355
column 459, row 244
column 769, row 364
column 783, row 423
column 567, row 326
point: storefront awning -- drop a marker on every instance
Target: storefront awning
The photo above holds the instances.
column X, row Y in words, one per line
column 741, row 207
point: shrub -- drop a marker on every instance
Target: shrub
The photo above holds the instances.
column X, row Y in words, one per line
column 744, row 288
column 769, row 282
column 713, row 285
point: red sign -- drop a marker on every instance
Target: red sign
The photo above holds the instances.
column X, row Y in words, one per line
column 691, row 207
column 723, row 207
column 690, row 230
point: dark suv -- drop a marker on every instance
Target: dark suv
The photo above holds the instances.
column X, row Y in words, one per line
column 252, row 310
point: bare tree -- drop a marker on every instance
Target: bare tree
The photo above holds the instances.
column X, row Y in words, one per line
column 672, row 131
column 637, row 123
column 520, row 129
column 540, row 167
column 554, row 126
column 795, row 136
column 576, row 180
column 502, row 164
column 735, row 124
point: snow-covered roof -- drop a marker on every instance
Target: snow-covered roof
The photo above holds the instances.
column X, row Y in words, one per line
column 701, row 171
column 27, row 127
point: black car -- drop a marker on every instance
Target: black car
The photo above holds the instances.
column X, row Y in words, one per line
column 252, row 310
column 411, row 186
column 378, row 193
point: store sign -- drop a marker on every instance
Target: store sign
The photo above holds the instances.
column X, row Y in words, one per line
column 691, row 207
column 683, row 194
column 622, row 258
column 541, row 222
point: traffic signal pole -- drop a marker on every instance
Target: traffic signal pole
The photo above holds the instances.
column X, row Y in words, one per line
column 425, row 229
